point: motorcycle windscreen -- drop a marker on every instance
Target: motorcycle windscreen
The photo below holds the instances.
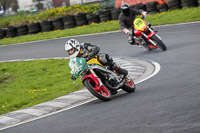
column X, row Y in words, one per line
column 77, row 66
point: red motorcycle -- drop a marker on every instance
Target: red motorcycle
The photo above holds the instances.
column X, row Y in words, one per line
column 147, row 36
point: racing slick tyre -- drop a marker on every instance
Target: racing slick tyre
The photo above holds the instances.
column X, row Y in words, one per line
column 101, row 93
column 159, row 42
column 129, row 85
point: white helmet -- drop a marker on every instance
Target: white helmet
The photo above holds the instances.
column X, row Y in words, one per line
column 72, row 47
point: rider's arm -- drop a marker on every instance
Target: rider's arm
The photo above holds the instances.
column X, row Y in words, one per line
column 92, row 49
column 138, row 12
column 123, row 25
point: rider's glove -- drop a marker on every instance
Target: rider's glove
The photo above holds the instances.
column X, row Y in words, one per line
column 73, row 77
column 129, row 32
column 144, row 14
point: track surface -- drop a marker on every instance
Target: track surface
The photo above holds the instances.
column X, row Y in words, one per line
column 168, row 102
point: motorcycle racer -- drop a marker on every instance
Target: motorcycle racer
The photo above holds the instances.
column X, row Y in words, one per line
column 126, row 18
column 88, row 51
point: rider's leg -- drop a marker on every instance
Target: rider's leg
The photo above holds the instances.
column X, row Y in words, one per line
column 107, row 60
column 131, row 40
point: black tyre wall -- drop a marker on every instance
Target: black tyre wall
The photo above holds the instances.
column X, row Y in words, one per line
column 58, row 23
column 162, row 7
column 115, row 14
column 105, row 15
column 81, row 19
column 92, row 18
column 34, row 28
column 22, row 30
column 174, row 4
column 2, row 33
column 189, row 3
column 46, row 26
column 11, row 31
column 69, row 21
column 151, row 7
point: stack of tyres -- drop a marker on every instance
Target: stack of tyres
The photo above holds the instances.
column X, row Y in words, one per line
column 2, row 33
column 69, row 21
column 189, row 3
column 173, row 4
column 34, row 28
column 22, row 30
column 104, row 15
column 162, row 8
column 92, row 18
column 151, row 7
column 115, row 13
column 81, row 19
column 140, row 6
column 58, row 23
column 46, row 25
column 11, row 31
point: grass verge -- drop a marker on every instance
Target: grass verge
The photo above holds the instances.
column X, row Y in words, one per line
column 170, row 17
column 24, row 84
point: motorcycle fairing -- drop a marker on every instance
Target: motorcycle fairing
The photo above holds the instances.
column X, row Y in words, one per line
column 94, row 61
column 91, row 76
column 77, row 66
column 139, row 24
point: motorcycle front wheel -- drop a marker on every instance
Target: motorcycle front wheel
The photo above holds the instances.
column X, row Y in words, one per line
column 101, row 93
column 159, row 42
column 129, row 85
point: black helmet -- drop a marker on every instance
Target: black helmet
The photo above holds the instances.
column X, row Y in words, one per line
column 125, row 9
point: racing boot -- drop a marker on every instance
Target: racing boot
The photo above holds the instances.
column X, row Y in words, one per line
column 121, row 71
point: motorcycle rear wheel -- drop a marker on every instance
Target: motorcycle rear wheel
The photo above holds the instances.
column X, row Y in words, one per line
column 101, row 93
column 159, row 42
column 129, row 85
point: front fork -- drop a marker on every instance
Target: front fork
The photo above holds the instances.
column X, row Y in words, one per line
column 152, row 32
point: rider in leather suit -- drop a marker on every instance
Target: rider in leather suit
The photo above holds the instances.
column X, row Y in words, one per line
column 126, row 18
column 88, row 51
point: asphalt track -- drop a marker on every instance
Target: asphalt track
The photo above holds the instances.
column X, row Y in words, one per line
column 166, row 103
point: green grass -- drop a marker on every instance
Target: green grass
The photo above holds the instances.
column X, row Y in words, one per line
column 24, row 84
column 170, row 17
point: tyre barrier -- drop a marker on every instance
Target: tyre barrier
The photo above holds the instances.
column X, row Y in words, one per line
column 2, row 33
column 46, row 25
column 69, row 21
column 151, row 7
column 34, row 28
column 110, row 13
column 104, row 15
column 92, row 18
column 162, row 8
column 189, row 3
column 115, row 13
column 58, row 23
column 80, row 19
column 140, row 6
column 174, row 4
column 22, row 30
column 11, row 32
